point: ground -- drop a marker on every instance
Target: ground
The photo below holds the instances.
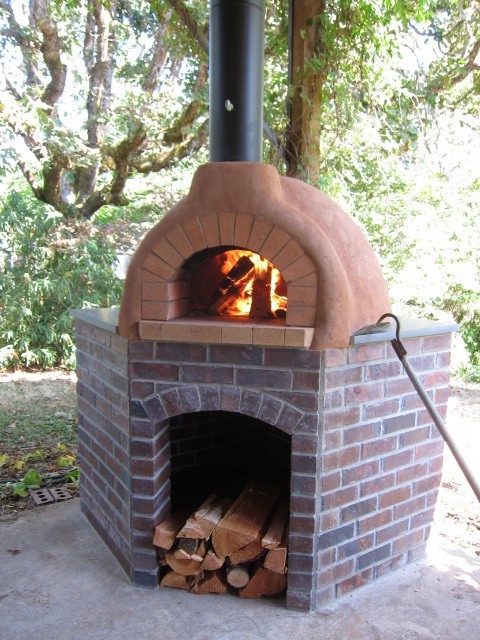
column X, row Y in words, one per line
column 38, row 413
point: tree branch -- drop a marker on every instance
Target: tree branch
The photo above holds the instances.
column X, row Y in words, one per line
column 51, row 48
column 158, row 57
column 179, row 130
column 199, row 35
column 166, row 159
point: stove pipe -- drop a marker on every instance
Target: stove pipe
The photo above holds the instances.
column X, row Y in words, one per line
column 236, row 80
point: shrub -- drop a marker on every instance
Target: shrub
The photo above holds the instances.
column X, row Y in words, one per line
column 48, row 268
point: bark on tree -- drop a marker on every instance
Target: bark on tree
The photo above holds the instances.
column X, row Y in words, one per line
column 306, row 86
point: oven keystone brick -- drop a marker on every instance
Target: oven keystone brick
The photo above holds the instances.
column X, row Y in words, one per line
column 211, row 231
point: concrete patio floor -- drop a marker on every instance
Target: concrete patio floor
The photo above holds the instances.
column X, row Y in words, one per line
column 59, row 581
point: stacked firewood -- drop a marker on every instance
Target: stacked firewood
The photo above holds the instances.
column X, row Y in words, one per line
column 239, row 543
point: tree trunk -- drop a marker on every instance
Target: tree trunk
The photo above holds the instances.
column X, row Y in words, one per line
column 307, row 72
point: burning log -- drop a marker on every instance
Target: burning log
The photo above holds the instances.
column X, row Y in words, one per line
column 232, row 286
column 261, row 306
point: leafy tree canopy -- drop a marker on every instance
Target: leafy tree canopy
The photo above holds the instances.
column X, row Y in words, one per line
column 97, row 91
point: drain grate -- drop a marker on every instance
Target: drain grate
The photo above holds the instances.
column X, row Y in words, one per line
column 41, row 496
column 59, row 494
column 45, row 496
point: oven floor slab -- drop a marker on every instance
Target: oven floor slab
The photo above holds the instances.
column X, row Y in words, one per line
column 59, row 580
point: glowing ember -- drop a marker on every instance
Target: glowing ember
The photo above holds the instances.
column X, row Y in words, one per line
column 251, row 287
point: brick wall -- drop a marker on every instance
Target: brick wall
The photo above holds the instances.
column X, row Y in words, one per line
column 382, row 461
column 362, row 458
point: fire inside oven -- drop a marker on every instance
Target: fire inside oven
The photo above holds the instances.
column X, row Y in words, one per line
column 240, row 283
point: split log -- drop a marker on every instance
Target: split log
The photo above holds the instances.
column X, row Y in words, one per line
column 276, row 559
column 261, row 306
column 245, row 521
column 201, row 524
column 263, row 583
column 186, row 566
column 186, row 547
column 211, row 562
column 176, row 581
column 238, row 575
column 251, row 552
column 275, row 531
column 211, row 582
column 166, row 532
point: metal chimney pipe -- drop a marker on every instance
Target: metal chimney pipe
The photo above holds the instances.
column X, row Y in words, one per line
column 236, row 80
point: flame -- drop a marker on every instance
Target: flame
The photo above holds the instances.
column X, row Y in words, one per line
column 240, row 303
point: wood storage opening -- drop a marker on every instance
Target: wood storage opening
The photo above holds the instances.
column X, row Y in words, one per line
column 229, row 487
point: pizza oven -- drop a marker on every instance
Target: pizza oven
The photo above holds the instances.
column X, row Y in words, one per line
column 234, row 358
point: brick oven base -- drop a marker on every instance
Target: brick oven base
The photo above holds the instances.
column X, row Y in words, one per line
column 363, row 457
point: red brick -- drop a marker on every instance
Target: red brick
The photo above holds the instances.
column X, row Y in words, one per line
column 429, row 449
column 377, row 485
column 426, row 484
column 327, row 557
column 332, row 440
column 360, row 472
column 435, row 465
column 417, row 552
column 412, row 506
column 335, row 357
column 382, row 371
column 341, row 459
column 330, row 520
column 366, row 352
column 333, row 399
column 339, row 571
column 376, row 521
column 381, row 409
column 394, row 496
column 397, row 529
column 400, row 459
column 435, row 380
column 359, row 509
column 437, row 343
column 340, row 497
column 362, row 433
column 331, row 481
column 408, row 541
column 335, row 419
column 355, row 546
column 343, row 377
column 354, row 582
column 397, row 387
column 411, row 473
column 441, row 396
column 390, row 565
column 413, row 401
column 443, row 360
column 422, row 519
column 364, row 393
column 378, row 447
column 414, row 437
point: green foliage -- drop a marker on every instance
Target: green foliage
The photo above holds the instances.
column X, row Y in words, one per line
column 464, row 304
column 49, row 268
